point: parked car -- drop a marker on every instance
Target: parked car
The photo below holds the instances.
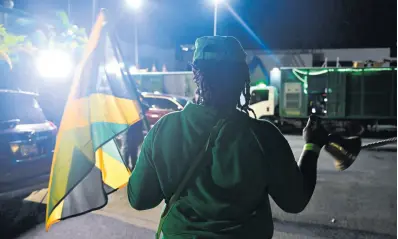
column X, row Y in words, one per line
column 27, row 141
column 162, row 104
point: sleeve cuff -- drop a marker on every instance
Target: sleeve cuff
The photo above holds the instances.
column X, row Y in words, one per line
column 312, row 147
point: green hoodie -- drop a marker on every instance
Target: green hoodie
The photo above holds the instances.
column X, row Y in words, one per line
column 229, row 198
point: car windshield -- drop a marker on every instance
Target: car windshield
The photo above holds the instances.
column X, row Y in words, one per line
column 22, row 107
column 182, row 101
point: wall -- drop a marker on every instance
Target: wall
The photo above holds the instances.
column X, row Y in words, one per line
column 375, row 54
column 297, row 57
column 282, row 59
column 261, row 64
column 349, row 54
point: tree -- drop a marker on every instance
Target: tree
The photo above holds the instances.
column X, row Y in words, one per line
column 10, row 43
column 62, row 35
column 69, row 36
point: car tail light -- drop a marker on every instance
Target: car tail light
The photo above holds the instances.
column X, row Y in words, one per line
column 52, row 124
column 24, row 150
column 14, row 148
column 153, row 115
column 55, row 128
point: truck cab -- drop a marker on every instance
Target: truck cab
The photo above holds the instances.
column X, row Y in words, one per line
column 264, row 101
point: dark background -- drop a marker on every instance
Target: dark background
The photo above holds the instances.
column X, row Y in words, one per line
column 279, row 24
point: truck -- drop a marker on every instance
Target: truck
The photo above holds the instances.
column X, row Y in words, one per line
column 347, row 99
column 350, row 100
column 175, row 83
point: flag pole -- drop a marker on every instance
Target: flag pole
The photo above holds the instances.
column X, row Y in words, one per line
column 120, row 58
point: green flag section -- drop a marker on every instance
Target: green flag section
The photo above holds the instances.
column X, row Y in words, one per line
column 87, row 163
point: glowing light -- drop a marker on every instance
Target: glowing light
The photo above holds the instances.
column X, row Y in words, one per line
column 378, row 69
column 114, row 67
column 275, row 71
column 154, row 115
column 346, row 70
column 262, row 85
column 54, row 64
column 312, row 72
column 135, row 4
column 275, row 76
column 313, row 110
column 251, row 33
column 304, row 80
column 326, row 100
column 14, row 147
column 216, row 2
column 133, row 69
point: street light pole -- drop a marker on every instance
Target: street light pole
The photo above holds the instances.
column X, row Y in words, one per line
column 7, row 4
column 135, row 5
column 215, row 18
column 94, row 12
column 69, row 9
column 136, row 42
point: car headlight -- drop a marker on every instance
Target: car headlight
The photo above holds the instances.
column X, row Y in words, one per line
column 54, row 63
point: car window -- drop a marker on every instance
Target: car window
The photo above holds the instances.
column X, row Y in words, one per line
column 183, row 102
column 22, row 107
column 258, row 96
column 160, row 103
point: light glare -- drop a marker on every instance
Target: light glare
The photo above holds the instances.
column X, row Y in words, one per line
column 135, row 4
column 113, row 67
column 54, row 64
column 275, row 71
column 133, row 69
column 262, row 85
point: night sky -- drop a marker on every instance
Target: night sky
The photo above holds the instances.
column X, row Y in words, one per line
column 279, row 24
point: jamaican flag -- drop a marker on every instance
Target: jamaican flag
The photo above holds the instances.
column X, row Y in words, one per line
column 87, row 163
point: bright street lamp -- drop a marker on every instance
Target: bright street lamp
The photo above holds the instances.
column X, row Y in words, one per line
column 54, row 63
column 135, row 4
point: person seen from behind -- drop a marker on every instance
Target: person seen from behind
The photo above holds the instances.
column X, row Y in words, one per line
column 233, row 162
column 132, row 138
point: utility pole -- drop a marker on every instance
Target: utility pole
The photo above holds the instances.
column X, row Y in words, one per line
column 69, row 9
column 7, row 4
column 94, row 12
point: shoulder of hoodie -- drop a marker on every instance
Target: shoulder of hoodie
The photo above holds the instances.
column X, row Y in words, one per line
column 241, row 121
column 165, row 118
column 258, row 124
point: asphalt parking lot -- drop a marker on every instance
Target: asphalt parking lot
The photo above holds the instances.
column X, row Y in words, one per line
column 357, row 203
